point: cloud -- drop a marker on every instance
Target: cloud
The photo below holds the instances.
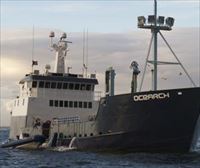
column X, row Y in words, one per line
column 105, row 50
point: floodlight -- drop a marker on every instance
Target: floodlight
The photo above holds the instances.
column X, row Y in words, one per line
column 64, row 35
column 169, row 21
column 141, row 20
column 52, row 34
column 151, row 19
column 161, row 20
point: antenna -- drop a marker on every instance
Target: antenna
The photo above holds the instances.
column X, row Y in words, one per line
column 86, row 52
column 33, row 48
column 33, row 45
column 83, row 52
column 61, row 49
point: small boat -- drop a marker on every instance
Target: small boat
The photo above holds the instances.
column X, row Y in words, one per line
column 27, row 143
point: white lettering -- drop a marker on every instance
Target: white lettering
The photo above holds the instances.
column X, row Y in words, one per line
column 151, row 96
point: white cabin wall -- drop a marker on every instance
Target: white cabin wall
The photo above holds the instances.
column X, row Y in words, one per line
column 61, row 94
column 20, row 107
column 39, row 108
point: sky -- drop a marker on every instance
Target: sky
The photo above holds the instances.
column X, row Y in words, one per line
column 114, row 40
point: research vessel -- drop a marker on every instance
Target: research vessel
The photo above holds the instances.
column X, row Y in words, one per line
column 66, row 110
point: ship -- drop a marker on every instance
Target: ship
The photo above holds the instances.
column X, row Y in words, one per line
column 65, row 109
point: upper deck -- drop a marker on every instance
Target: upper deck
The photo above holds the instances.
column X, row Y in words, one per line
column 45, row 85
column 59, row 77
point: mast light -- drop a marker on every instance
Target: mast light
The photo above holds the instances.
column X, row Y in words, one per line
column 141, row 20
column 169, row 21
column 161, row 20
column 151, row 19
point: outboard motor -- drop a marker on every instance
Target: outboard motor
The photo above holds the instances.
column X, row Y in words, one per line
column 136, row 71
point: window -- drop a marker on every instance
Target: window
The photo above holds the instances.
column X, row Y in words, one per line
column 77, row 86
column 53, row 85
column 34, row 84
column 85, row 104
column 65, row 85
column 71, row 104
column 41, row 84
column 88, row 87
column 51, row 103
column 23, row 102
column 66, row 103
column 75, row 104
column 80, row 104
column 71, row 86
column 59, row 85
column 56, row 103
column 82, row 86
column 61, row 103
column 92, row 88
column 47, row 85
column 89, row 104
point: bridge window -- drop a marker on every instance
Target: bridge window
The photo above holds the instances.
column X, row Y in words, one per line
column 53, row 85
column 77, row 86
column 47, row 85
column 65, row 85
column 82, row 86
column 59, row 85
column 34, row 84
column 41, row 84
column 71, row 86
column 88, row 87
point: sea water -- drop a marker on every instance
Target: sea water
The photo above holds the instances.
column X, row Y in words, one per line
column 63, row 158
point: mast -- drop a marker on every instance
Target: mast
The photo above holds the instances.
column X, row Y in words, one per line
column 61, row 49
column 155, row 31
column 156, row 24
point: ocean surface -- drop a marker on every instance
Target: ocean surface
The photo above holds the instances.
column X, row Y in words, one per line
column 15, row 158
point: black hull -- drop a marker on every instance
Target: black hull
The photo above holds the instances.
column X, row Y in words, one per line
column 128, row 142
column 154, row 125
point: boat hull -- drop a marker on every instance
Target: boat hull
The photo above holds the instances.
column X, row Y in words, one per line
column 146, row 125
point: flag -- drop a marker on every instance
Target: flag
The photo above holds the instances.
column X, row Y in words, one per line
column 34, row 62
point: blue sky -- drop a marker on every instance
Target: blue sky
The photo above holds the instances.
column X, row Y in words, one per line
column 97, row 16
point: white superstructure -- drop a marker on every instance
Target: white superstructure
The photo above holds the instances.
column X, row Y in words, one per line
column 44, row 97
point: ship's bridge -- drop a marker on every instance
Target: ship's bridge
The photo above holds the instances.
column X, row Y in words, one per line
column 36, row 85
